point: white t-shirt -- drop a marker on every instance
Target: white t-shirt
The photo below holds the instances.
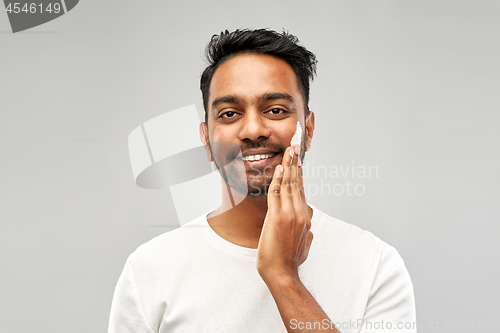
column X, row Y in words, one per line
column 192, row 280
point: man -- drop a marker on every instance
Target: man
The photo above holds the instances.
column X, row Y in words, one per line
column 236, row 269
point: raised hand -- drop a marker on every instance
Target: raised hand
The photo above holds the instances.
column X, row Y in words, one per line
column 286, row 237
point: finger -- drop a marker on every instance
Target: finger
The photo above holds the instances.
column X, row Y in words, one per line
column 295, row 157
column 302, row 190
column 274, row 191
column 301, row 183
column 287, row 157
column 294, row 182
column 286, row 186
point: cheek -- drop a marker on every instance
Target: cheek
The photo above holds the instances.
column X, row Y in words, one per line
column 223, row 135
column 287, row 135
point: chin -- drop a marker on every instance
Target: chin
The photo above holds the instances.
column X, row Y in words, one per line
column 258, row 187
column 257, row 192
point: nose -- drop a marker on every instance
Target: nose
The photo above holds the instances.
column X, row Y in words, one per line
column 254, row 127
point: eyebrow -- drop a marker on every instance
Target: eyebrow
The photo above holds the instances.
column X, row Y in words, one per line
column 276, row 95
column 225, row 99
column 264, row 98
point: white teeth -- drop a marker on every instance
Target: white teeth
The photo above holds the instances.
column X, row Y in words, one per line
column 257, row 157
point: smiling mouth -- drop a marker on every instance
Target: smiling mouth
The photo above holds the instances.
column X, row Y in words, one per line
column 258, row 157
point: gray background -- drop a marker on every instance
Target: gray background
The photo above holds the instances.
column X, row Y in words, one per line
column 409, row 86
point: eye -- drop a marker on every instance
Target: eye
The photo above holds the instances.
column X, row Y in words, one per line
column 276, row 111
column 228, row 114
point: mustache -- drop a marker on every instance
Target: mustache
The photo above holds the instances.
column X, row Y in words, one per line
column 275, row 146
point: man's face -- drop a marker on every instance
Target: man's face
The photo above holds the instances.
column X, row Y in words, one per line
column 254, row 105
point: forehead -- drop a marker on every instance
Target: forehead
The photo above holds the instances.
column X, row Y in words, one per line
column 250, row 75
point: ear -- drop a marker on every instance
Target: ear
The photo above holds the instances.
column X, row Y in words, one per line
column 309, row 129
column 204, row 140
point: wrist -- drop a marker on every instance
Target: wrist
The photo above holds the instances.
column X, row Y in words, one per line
column 281, row 279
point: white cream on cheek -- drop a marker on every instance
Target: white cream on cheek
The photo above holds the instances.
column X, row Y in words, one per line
column 297, row 136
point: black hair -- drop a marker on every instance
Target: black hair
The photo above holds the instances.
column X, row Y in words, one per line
column 281, row 45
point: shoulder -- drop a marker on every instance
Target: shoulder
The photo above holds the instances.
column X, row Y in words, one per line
column 330, row 231
column 353, row 247
column 359, row 253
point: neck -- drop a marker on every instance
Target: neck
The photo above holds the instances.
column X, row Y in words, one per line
column 239, row 219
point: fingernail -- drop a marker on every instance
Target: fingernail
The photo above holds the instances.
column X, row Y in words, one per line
column 279, row 169
column 291, row 151
column 297, row 149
